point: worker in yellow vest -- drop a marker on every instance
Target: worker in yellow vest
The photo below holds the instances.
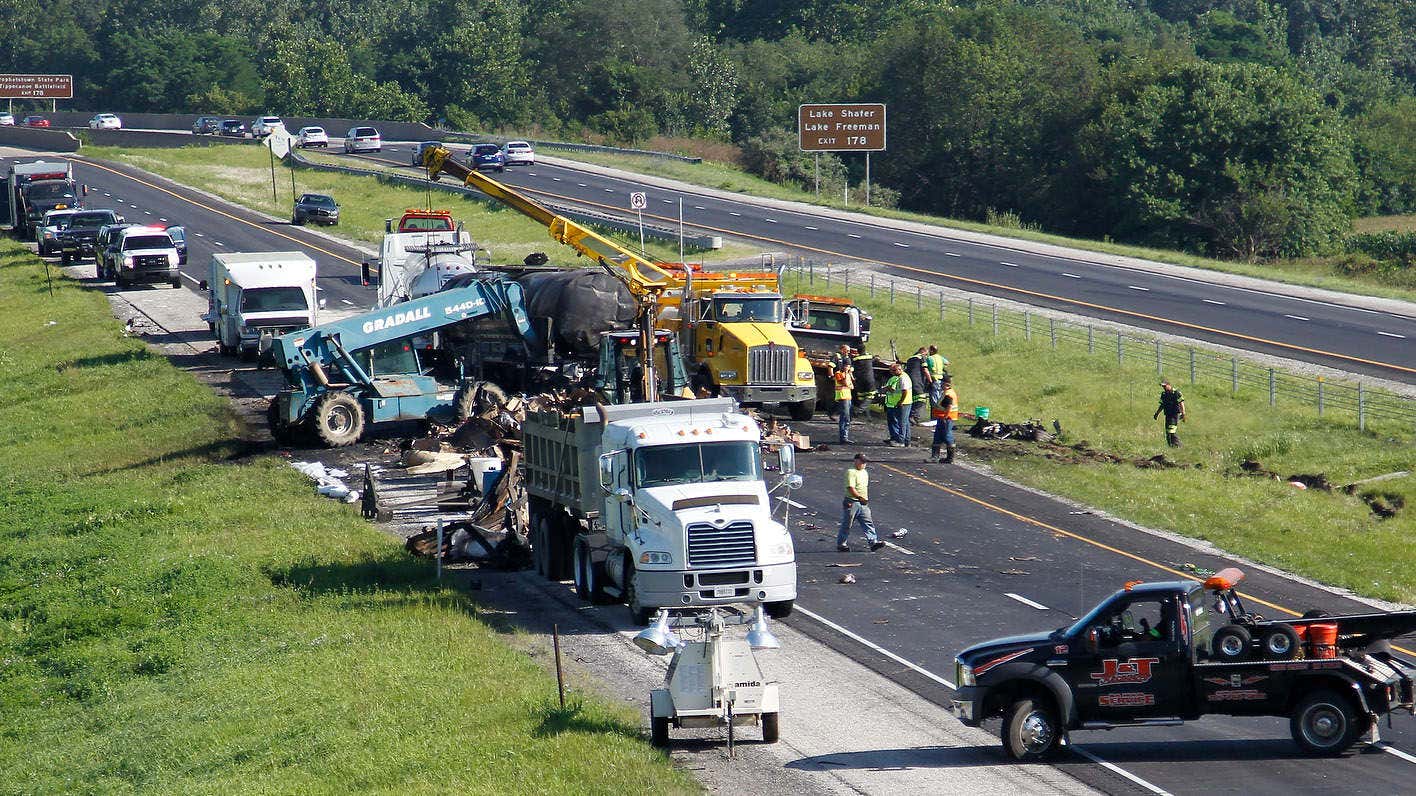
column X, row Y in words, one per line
column 945, row 412
column 898, row 400
column 845, row 385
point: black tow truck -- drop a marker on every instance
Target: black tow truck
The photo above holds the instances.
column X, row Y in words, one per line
column 1159, row 654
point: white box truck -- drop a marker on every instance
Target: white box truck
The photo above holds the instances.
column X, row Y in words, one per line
column 255, row 296
column 658, row 505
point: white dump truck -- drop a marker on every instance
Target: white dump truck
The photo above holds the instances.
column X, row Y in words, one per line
column 255, row 296
column 658, row 505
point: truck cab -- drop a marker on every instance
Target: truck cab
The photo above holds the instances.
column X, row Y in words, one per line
column 253, row 297
column 41, row 196
column 742, row 350
column 137, row 255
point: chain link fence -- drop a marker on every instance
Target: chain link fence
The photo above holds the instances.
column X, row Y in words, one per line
column 1177, row 361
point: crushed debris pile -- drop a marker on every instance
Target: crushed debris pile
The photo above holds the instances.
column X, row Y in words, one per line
column 1035, row 432
column 329, row 481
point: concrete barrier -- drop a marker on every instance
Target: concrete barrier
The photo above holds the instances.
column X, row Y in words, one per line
column 144, row 138
column 392, row 131
column 39, row 138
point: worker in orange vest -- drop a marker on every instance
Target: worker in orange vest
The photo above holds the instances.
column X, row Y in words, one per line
column 945, row 412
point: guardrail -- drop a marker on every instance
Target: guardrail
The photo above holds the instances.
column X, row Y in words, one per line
column 566, row 145
column 592, row 218
column 1326, row 397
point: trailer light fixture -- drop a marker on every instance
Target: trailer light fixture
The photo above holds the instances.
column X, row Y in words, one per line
column 1225, row 579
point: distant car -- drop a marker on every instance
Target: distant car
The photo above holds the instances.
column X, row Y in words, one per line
column 233, row 128
column 423, row 147
column 363, row 139
column 206, row 125
column 266, row 125
column 7, row 120
column 312, row 136
column 47, row 232
column 179, row 239
column 315, row 208
column 518, row 153
column 106, row 121
column 36, row 121
column 486, row 156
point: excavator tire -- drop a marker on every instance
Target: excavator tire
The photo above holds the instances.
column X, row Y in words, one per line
column 338, row 420
column 465, row 404
column 488, row 392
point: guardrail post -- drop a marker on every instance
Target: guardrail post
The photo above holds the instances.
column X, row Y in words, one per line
column 1192, row 364
column 1234, row 375
column 1273, row 397
column 970, row 312
column 811, row 272
column 1361, row 408
column 1091, row 340
column 872, row 285
column 892, row 292
column 941, row 306
column 826, row 274
column 1120, row 351
column 847, row 280
column 1052, row 331
column 1320, row 396
column 1157, row 358
column 995, row 319
column 1027, row 325
column 919, row 297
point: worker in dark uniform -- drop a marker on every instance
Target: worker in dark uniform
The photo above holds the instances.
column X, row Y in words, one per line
column 865, row 384
column 1172, row 403
column 919, row 386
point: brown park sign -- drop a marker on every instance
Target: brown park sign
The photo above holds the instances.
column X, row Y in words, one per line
column 36, row 86
column 851, row 127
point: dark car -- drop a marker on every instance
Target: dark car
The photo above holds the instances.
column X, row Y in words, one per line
column 78, row 240
column 233, row 127
column 179, row 239
column 36, row 121
column 486, row 156
column 315, row 208
column 103, row 248
column 206, row 125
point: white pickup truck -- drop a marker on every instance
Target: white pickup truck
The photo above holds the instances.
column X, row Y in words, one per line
column 659, row 505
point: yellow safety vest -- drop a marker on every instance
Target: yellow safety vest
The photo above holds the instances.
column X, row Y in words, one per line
column 844, row 384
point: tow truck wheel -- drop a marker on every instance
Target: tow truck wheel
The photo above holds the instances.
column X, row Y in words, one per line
column 771, row 728
column 1231, row 643
column 1281, row 643
column 338, row 419
column 659, row 731
column 802, row 410
column 1031, row 731
column 1326, row 723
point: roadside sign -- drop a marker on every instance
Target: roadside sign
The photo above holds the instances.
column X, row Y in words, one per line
column 849, row 127
column 279, row 142
column 638, row 200
column 50, row 87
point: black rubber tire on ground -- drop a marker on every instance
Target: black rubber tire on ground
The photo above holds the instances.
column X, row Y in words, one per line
column 580, row 573
column 296, row 221
column 464, row 404
column 595, row 580
column 280, row 431
column 1316, row 613
column 65, row 258
column 337, row 419
column 802, row 410
column 1230, row 644
column 489, row 392
column 1030, row 730
column 771, row 728
column 1326, row 723
column 781, row 609
column 640, row 616
column 177, row 283
column 1281, row 643
column 659, row 731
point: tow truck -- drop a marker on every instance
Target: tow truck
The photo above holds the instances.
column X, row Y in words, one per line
column 1160, row 654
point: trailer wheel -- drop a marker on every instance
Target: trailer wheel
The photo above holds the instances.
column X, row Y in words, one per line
column 1325, row 723
column 1281, row 643
column 338, row 419
column 1031, row 731
column 802, row 410
column 771, row 728
column 781, row 609
column 659, row 731
column 1231, row 643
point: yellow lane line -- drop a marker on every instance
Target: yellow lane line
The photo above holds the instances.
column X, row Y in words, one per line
column 219, row 212
column 1078, row 537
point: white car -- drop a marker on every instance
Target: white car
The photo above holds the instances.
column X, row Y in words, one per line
column 106, row 121
column 518, row 153
column 266, row 125
column 46, row 234
column 7, row 120
column 312, row 136
column 363, row 139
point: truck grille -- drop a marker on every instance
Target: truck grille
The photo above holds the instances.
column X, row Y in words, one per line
column 730, row 546
column 770, row 364
column 150, row 261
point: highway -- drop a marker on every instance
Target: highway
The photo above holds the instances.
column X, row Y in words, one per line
column 1346, row 337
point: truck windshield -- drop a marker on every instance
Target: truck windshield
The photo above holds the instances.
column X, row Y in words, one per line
column 273, row 299
column 695, row 463
column 91, row 220
column 136, row 242
column 828, row 320
column 744, row 308
column 49, row 191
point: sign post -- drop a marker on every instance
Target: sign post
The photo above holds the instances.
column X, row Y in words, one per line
column 842, row 127
column 638, row 200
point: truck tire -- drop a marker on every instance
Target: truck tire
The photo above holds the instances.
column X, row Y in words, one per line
column 488, row 392
column 1281, row 643
column 65, row 258
column 802, row 410
column 1231, row 644
column 659, row 731
column 638, row 614
column 1326, row 723
column 580, row 571
column 560, row 555
column 771, row 728
column 338, row 420
column 1031, row 731
column 464, row 405
column 780, row 609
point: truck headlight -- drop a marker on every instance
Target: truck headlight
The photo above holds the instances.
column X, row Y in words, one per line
column 128, row 260
column 655, row 557
column 963, row 673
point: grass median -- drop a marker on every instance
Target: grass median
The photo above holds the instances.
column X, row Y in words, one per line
column 1332, row 537
column 178, row 616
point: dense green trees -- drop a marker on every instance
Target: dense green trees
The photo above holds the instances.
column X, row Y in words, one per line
column 1246, row 128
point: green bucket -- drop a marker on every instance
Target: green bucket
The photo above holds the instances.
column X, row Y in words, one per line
column 981, row 412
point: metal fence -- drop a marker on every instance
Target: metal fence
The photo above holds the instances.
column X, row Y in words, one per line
column 1177, row 361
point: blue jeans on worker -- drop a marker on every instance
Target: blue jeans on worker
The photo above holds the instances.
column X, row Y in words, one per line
column 853, row 511
column 897, row 418
column 843, row 420
column 943, row 432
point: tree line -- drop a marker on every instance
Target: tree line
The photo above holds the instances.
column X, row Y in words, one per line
column 1240, row 128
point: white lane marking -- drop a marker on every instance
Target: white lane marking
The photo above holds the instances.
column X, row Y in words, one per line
column 1010, row 265
column 667, row 201
column 1392, row 334
column 1391, row 750
column 135, row 207
column 892, row 545
column 582, row 185
column 108, row 196
column 195, row 280
column 1212, row 301
column 147, row 212
column 699, row 207
column 936, row 678
column 160, row 218
column 770, row 220
column 347, row 301
column 198, row 234
column 319, row 289
column 609, row 190
column 1025, row 601
column 1070, row 276
column 557, row 179
column 876, row 647
column 1138, row 287
column 952, row 254
column 1297, row 317
column 852, row 235
column 734, row 214
column 532, row 174
column 813, row 229
column 217, row 243
column 901, row 245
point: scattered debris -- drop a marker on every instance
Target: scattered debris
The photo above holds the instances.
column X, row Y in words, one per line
column 1013, row 572
column 328, row 481
column 1023, row 558
column 842, row 566
column 900, row 534
column 881, row 621
column 1384, row 504
column 847, row 578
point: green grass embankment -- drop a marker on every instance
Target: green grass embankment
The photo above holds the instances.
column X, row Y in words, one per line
column 178, row 617
column 1331, row 537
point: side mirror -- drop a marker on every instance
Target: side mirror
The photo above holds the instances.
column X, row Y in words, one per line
column 367, row 276
column 607, row 471
column 202, row 285
column 120, row 219
column 322, row 303
column 786, row 457
column 1093, row 639
column 85, row 189
column 388, row 225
